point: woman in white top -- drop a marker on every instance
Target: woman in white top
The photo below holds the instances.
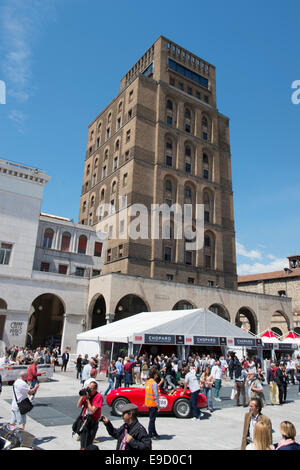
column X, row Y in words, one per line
column 261, row 438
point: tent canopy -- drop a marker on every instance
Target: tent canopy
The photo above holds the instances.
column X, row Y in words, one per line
column 177, row 322
column 291, row 337
column 269, row 337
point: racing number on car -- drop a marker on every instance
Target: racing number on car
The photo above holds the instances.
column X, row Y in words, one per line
column 163, row 402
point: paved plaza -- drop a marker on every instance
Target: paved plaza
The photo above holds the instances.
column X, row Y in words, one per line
column 55, row 410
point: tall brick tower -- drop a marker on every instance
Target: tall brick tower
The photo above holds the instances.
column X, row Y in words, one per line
column 163, row 140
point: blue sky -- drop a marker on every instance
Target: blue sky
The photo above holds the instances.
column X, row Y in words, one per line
column 62, row 61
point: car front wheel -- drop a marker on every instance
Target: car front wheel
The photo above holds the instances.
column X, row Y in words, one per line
column 117, row 406
column 182, row 408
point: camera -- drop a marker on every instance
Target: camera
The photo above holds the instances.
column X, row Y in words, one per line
column 84, row 391
column 101, row 418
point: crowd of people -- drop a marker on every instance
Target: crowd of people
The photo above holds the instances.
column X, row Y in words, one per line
column 200, row 374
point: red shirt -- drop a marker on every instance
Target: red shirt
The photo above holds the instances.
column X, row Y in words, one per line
column 97, row 401
column 32, row 373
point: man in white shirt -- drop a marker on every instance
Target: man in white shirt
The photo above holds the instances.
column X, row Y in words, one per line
column 86, row 371
column 291, row 368
column 191, row 382
column 21, row 390
column 216, row 372
column 93, row 375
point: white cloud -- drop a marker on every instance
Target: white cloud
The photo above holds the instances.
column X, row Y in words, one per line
column 242, row 251
column 277, row 264
column 20, row 23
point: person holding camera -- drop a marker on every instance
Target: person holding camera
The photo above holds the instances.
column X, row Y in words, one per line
column 131, row 435
column 91, row 401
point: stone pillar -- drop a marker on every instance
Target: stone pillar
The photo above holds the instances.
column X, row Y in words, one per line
column 73, row 325
column 15, row 328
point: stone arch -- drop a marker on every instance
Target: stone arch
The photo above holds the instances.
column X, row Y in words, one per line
column 247, row 319
column 280, row 321
column 220, row 310
column 183, row 305
column 46, row 320
column 97, row 311
column 129, row 305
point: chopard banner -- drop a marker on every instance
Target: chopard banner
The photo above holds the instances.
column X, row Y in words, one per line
column 159, row 339
column 206, row 340
column 246, row 342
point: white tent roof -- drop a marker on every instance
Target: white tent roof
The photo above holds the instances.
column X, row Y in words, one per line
column 200, row 322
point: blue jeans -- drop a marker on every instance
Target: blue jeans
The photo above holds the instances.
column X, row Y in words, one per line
column 208, row 393
column 217, row 387
column 195, row 409
column 110, row 387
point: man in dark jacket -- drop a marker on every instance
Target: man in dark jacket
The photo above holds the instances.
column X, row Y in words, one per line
column 280, row 382
column 132, row 435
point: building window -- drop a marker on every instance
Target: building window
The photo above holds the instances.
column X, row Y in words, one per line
column 125, row 178
column 181, row 86
column 130, row 114
column 169, row 105
column 88, row 170
column 65, row 241
column 169, row 160
column 108, row 255
column 5, row 253
column 104, row 172
column 206, row 216
column 45, row 267
column 190, row 90
column 48, row 238
column 118, row 123
column 167, row 253
column 206, row 241
column 169, row 277
column 126, row 155
column 211, row 283
column 131, row 95
column 62, row 269
column 116, row 161
column 114, row 187
column 79, row 272
column 188, row 257
column 98, row 249
column 128, row 136
column 121, row 251
column 191, row 280
column 96, row 272
column 82, row 244
column 169, row 120
column 107, row 133
column 207, row 261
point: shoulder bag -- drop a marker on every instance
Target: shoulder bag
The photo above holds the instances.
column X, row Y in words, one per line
column 25, row 405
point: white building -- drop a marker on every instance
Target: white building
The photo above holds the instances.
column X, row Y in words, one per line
column 45, row 264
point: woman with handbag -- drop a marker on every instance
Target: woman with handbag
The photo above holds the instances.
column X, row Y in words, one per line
column 20, row 402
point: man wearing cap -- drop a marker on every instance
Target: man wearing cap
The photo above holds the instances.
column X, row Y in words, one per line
column 131, row 435
column 21, row 390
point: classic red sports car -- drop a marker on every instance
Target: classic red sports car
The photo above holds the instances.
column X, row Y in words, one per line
column 170, row 402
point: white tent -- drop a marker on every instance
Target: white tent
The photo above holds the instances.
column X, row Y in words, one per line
column 193, row 322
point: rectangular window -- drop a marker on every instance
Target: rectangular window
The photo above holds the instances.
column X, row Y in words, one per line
column 120, row 251
column 191, row 280
column 130, row 114
column 107, row 133
column 62, row 269
column 168, row 253
column 198, row 95
column 207, row 261
column 206, row 216
column 195, row 77
column 128, row 136
column 169, row 161
column 188, row 128
column 125, row 178
column 169, row 277
column 98, row 249
column 188, row 257
column 96, row 272
column 79, row 272
column 131, row 95
column 190, row 91
column 5, row 253
column 204, row 136
column 118, row 123
column 188, row 167
column 169, row 120
column 109, row 255
column 205, row 99
column 172, row 81
column 116, row 163
column 104, row 172
column 205, row 174
column 211, row 283
column 181, row 86
column 45, row 267
column 127, row 155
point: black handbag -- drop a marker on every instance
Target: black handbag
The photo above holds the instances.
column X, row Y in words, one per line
column 79, row 424
column 25, row 405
